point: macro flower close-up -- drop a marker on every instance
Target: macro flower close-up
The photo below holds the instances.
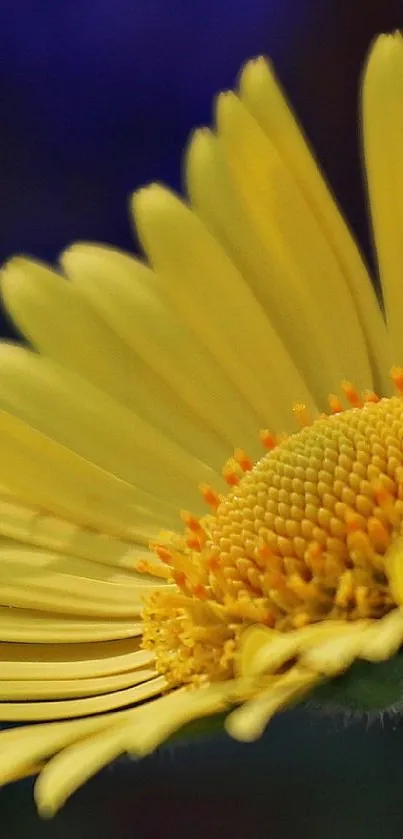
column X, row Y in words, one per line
column 201, row 452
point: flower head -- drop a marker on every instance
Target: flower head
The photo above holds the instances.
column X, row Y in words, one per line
column 254, row 312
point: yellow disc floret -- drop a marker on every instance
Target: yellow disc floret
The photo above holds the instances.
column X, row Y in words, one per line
column 304, row 536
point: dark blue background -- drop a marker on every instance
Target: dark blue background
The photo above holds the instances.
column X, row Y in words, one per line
column 97, row 98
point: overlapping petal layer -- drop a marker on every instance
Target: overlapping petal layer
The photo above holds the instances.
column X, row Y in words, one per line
column 139, row 382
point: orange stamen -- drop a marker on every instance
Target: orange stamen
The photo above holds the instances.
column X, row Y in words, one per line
column 180, row 579
column 210, row 496
column 213, row 562
column 191, row 521
column 352, row 394
column 193, row 541
column 200, row 591
column 268, row 439
column 396, row 374
column 229, row 473
column 243, row 460
column 164, row 554
column 334, row 404
column 370, row 397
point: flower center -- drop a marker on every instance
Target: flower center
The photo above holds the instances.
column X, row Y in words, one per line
column 301, row 537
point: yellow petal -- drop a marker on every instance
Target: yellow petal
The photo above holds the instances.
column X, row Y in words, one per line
column 45, row 396
column 64, row 709
column 335, row 655
column 64, row 584
column 385, row 639
column 71, row 661
column 252, row 641
column 28, row 690
column 213, row 298
column 264, row 262
column 55, row 316
column 27, row 524
column 151, row 725
column 141, row 731
column 394, row 570
column 248, row 722
column 265, row 650
column 130, row 297
column 25, row 772
column 383, row 139
column 263, row 96
column 55, row 479
column 284, row 220
column 33, row 627
column 23, row 747
column 75, row 765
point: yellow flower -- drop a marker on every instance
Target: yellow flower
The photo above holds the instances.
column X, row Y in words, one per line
column 141, row 382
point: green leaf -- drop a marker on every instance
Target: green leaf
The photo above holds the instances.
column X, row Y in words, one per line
column 364, row 687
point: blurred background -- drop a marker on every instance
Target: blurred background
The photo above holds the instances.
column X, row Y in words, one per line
column 98, row 98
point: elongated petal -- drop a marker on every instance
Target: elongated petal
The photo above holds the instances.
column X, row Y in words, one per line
column 56, row 479
column 214, row 299
column 284, row 220
column 23, row 747
column 55, row 315
column 149, row 726
column 130, row 297
column 265, row 263
column 32, row 627
column 264, row 98
column 102, row 432
column 28, row 690
column 383, row 140
column 28, row 525
column 249, row 721
column 64, row 584
column 75, row 765
column 70, row 708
